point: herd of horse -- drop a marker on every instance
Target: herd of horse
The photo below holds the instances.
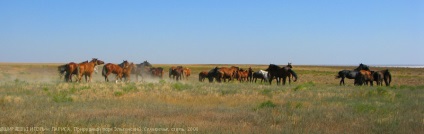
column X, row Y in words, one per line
column 361, row 75
column 122, row 71
column 248, row 75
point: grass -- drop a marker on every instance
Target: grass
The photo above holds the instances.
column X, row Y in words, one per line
column 313, row 104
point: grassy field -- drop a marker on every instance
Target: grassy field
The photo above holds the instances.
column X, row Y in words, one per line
column 33, row 98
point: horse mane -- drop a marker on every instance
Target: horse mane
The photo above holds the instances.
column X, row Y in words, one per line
column 273, row 67
column 362, row 67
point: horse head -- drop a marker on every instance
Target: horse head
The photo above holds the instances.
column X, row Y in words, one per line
column 100, row 62
column 145, row 63
column 96, row 61
column 124, row 64
column 289, row 65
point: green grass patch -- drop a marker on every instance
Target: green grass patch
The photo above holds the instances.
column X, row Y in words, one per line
column 304, row 86
column 118, row 93
column 129, row 87
column 181, row 86
column 62, row 97
column 267, row 104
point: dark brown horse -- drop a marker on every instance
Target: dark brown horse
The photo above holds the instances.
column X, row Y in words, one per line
column 215, row 74
column 289, row 65
column 176, row 72
column 250, row 75
column 115, row 69
column 277, row 72
column 379, row 76
column 87, row 69
column 157, row 72
column 203, row 75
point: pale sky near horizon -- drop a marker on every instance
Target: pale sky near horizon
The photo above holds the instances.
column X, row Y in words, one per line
column 330, row 32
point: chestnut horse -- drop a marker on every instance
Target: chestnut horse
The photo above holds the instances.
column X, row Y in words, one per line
column 128, row 67
column 186, row 73
column 242, row 75
column 87, row 69
column 227, row 73
column 364, row 77
column 69, row 70
column 115, row 69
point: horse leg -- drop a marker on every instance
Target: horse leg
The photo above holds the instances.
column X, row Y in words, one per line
column 342, row 81
column 278, row 80
column 289, row 79
column 79, row 77
column 89, row 76
column 270, row 79
column 284, row 80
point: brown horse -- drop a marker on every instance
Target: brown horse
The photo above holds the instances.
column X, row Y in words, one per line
column 242, row 75
column 227, row 73
column 69, row 70
column 115, row 69
column 157, row 71
column 364, row 77
column 186, row 73
column 128, row 67
column 203, row 75
column 87, row 69
column 176, row 72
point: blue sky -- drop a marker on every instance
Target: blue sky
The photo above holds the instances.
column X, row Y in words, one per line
column 335, row 32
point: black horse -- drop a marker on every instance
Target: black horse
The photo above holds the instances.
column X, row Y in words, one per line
column 278, row 73
column 353, row 74
column 214, row 74
column 348, row 74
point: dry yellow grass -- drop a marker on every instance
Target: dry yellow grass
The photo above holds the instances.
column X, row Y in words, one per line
column 32, row 96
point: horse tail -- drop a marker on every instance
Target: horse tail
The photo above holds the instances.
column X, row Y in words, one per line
column 104, row 71
column 388, row 80
column 294, row 75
